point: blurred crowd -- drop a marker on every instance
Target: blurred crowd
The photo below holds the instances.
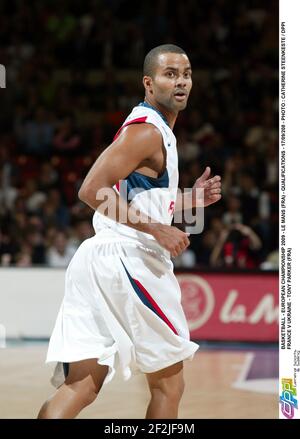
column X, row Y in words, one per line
column 73, row 74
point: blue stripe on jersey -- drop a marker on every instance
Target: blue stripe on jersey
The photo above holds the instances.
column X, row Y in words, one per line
column 139, row 292
column 137, row 182
column 145, row 104
column 147, row 300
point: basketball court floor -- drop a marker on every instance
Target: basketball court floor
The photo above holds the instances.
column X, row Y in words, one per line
column 221, row 382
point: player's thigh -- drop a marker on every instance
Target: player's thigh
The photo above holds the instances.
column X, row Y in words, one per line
column 169, row 381
column 87, row 373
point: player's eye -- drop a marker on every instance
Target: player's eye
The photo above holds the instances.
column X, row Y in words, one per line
column 170, row 74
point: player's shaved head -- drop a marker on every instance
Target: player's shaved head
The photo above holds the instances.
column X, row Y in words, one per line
column 151, row 58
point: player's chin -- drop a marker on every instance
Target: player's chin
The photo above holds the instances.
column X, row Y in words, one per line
column 181, row 105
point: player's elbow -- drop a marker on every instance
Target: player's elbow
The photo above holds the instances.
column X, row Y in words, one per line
column 87, row 196
column 84, row 193
column 90, row 193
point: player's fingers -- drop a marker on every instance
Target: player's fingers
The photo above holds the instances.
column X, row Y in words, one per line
column 216, row 184
column 186, row 241
column 215, row 191
column 215, row 197
column 204, row 176
column 181, row 246
column 208, row 183
column 174, row 247
column 174, row 253
column 212, row 182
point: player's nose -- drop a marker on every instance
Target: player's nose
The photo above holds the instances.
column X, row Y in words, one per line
column 181, row 82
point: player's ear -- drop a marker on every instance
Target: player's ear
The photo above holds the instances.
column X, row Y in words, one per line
column 147, row 81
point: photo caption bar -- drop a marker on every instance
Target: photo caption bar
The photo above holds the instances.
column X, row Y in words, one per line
column 157, row 429
column 289, row 332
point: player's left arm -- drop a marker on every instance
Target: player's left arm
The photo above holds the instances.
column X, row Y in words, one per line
column 205, row 192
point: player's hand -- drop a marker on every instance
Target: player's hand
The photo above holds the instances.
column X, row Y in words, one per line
column 171, row 238
column 211, row 189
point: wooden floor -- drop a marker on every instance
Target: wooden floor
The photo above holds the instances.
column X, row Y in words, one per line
column 210, row 393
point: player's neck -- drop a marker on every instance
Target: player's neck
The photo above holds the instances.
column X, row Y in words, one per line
column 168, row 115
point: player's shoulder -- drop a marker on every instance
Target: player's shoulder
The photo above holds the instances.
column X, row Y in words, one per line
column 141, row 132
column 146, row 114
column 142, row 125
column 138, row 140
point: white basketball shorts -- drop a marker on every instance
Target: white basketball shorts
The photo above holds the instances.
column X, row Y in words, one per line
column 122, row 306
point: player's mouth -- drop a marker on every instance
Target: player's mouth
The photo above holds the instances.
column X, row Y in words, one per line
column 180, row 95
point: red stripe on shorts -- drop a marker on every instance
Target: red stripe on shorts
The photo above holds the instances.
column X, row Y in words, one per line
column 155, row 306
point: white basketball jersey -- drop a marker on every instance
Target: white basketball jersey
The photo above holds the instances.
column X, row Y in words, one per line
column 154, row 197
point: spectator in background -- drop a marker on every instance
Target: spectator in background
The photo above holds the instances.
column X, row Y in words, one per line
column 232, row 172
column 48, row 177
column 8, row 193
column 249, row 196
column 67, row 138
column 187, row 259
column 207, row 243
column 237, row 247
column 24, row 256
column 188, row 149
column 203, row 244
column 61, row 251
column 271, row 262
column 261, row 135
column 233, row 213
column 8, row 175
column 36, row 242
column 271, row 164
column 82, row 230
column 34, row 198
column 38, row 133
column 55, row 211
column 55, row 82
column 8, row 248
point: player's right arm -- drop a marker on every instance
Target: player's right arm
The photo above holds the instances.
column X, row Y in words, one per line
column 135, row 146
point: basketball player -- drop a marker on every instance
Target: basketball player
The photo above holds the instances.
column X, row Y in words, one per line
column 122, row 305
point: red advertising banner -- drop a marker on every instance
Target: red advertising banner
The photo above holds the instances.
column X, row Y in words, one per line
column 221, row 306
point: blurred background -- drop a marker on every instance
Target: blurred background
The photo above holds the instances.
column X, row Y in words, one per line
column 73, row 74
